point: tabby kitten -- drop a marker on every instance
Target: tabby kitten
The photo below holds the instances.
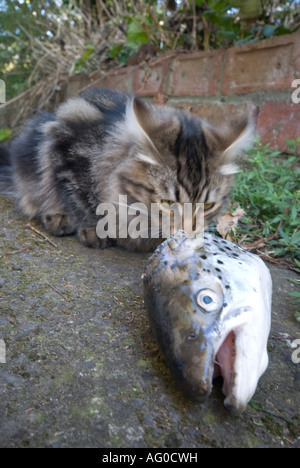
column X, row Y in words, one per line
column 102, row 144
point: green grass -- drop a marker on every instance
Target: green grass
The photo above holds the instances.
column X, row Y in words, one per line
column 269, row 192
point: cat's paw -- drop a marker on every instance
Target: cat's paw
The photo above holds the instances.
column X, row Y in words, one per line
column 58, row 224
column 88, row 237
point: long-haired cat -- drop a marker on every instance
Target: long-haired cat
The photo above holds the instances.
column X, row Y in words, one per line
column 102, row 144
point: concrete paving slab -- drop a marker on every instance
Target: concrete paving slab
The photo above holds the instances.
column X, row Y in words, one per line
column 82, row 368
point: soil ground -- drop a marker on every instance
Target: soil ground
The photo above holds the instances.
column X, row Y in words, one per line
column 82, row 366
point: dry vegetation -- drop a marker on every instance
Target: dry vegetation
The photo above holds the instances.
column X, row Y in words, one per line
column 100, row 35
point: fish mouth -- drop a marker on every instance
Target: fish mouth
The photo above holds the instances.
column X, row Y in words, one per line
column 224, row 363
column 199, row 381
column 225, row 366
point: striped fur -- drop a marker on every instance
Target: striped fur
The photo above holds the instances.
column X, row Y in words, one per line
column 103, row 144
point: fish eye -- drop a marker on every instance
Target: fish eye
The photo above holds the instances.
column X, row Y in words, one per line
column 208, row 206
column 208, row 300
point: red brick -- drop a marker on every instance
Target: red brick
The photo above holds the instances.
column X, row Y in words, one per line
column 278, row 121
column 120, row 79
column 269, row 65
column 99, row 81
column 150, row 79
column 219, row 114
column 80, row 82
column 196, row 74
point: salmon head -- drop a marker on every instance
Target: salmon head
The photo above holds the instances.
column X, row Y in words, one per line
column 209, row 306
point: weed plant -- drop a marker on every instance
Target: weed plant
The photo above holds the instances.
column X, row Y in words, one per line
column 269, row 192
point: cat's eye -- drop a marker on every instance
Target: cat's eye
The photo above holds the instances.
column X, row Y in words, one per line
column 208, row 206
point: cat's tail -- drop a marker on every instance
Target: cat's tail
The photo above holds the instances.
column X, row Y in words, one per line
column 6, row 173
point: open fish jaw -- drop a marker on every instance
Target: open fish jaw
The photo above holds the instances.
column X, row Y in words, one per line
column 210, row 310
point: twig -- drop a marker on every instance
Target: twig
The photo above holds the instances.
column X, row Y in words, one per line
column 58, row 292
column 194, row 30
column 41, row 234
column 261, row 242
column 267, row 257
column 205, row 33
column 14, row 252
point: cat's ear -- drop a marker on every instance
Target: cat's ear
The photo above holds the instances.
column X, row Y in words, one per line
column 232, row 141
column 239, row 138
column 141, row 123
column 144, row 115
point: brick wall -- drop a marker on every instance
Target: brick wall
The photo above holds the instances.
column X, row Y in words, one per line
column 216, row 85
column 220, row 84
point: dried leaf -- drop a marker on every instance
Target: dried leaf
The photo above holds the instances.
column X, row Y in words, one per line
column 227, row 223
